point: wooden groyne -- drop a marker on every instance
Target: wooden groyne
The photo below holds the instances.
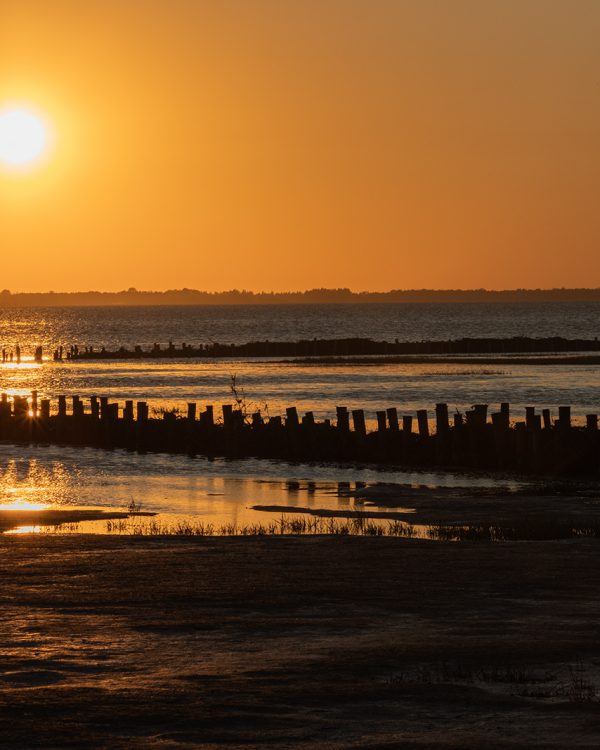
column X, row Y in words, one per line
column 332, row 348
column 475, row 439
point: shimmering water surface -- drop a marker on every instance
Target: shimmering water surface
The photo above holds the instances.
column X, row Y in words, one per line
column 217, row 491
column 223, row 491
column 127, row 326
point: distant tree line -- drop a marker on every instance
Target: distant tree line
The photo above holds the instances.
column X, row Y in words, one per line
column 134, row 297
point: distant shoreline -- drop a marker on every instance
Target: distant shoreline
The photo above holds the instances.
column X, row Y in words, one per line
column 193, row 297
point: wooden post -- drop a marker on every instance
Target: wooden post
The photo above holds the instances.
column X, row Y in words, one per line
column 530, row 417
column 309, row 419
column 392, row 415
column 505, row 411
column 358, row 418
column 564, row 417
column 257, row 420
column 441, row 418
column 191, row 412
column 208, row 417
column 480, row 414
column 142, row 411
column 407, row 421
column 103, row 407
column 381, row 421
column 343, row 418
column 227, row 410
column 423, row 422
column 521, row 443
column 45, row 409
column 291, row 417
column 458, row 420
column 95, row 407
column 546, row 418
column 591, row 421
column 62, row 406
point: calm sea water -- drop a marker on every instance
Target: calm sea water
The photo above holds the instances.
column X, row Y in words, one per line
column 116, row 326
column 224, row 491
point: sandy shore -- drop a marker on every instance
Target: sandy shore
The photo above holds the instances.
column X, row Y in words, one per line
column 112, row 642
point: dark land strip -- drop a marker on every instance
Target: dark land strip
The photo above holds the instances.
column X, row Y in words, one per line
column 298, row 643
column 310, row 348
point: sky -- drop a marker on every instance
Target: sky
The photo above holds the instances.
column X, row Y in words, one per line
column 285, row 144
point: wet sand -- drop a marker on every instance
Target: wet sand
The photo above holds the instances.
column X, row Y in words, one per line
column 55, row 517
column 284, row 642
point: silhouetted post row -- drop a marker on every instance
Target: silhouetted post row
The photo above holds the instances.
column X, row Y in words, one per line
column 534, row 443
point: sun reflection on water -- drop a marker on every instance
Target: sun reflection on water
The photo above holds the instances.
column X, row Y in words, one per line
column 24, row 505
column 33, row 485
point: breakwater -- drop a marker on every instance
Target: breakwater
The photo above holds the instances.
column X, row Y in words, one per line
column 475, row 439
column 332, row 348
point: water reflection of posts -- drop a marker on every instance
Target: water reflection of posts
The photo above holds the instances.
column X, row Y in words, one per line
column 343, row 491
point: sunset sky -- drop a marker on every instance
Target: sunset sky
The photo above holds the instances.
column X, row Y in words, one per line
column 276, row 145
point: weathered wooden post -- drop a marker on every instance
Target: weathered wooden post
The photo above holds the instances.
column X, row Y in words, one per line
column 564, row 417
column 480, row 411
column 500, row 431
column 505, row 411
column 381, row 421
column 343, row 418
column 521, row 444
column 95, row 407
column 358, row 419
column 45, row 409
column 423, row 423
column 104, row 407
column 227, row 410
column 191, row 412
column 142, row 411
column 547, row 419
column 291, row 418
column 392, row 415
column 207, row 418
column 62, row 406
column 530, row 417
column 441, row 418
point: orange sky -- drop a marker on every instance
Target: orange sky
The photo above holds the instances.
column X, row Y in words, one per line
column 273, row 144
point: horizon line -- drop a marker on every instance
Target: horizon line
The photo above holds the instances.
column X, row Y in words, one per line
column 312, row 290
column 318, row 296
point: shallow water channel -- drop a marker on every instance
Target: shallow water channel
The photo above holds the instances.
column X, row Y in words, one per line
column 199, row 491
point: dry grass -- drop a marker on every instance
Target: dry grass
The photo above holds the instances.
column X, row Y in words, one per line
column 531, row 529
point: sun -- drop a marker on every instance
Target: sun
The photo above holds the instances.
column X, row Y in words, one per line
column 23, row 137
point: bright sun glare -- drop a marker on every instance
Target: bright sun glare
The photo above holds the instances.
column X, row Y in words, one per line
column 23, row 137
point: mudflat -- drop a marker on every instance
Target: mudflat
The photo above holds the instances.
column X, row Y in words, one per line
column 298, row 642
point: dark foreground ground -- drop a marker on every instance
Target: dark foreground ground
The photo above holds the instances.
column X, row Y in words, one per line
column 111, row 642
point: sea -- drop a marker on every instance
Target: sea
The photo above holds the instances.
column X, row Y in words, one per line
column 225, row 491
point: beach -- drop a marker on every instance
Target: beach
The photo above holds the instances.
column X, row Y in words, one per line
column 291, row 642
